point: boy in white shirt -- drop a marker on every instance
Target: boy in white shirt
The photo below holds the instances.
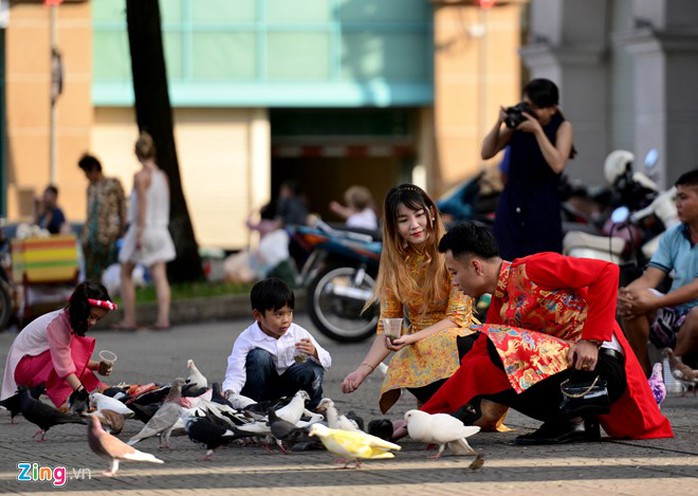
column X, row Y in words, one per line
column 275, row 357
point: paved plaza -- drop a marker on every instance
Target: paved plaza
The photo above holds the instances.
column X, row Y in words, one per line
column 637, row 468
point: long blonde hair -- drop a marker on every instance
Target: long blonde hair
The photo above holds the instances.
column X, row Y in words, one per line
column 392, row 275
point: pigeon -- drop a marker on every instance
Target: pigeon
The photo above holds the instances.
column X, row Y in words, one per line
column 354, row 417
column 656, row 382
column 164, row 420
column 353, row 445
column 382, row 428
column 195, row 377
column 205, row 431
column 12, row 405
column 682, row 372
column 283, row 431
column 440, row 429
column 240, row 402
column 104, row 444
column 294, row 410
column 144, row 412
column 156, row 395
column 336, row 420
column 217, row 395
column 103, row 402
column 43, row 415
column 112, row 420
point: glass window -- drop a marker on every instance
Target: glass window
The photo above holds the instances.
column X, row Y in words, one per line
column 384, row 10
column 220, row 11
column 299, row 11
column 172, row 11
column 172, row 44
column 298, row 56
column 106, row 10
column 112, row 60
column 370, row 55
column 224, row 55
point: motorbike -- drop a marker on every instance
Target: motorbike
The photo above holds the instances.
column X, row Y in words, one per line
column 339, row 275
column 473, row 199
column 641, row 214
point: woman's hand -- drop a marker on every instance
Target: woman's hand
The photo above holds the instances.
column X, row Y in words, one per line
column 583, row 355
column 352, row 382
column 399, row 343
column 530, row 125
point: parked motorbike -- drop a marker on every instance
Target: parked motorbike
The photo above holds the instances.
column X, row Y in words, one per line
column 339, row 276
column 640, row 216
column 473, row 199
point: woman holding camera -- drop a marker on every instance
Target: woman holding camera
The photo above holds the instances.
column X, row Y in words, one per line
column 528, row 217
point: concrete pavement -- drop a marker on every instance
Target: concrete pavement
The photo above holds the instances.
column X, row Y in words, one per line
column 638, row 468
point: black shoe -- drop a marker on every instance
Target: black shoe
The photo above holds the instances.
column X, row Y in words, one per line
column 557, row 432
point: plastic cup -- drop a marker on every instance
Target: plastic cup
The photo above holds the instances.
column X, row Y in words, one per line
column 108, row 357
column 392, row 327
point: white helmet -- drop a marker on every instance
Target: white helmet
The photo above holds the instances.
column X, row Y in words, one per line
column 617, row 162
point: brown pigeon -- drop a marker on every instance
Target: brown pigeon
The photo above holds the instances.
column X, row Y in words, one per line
column 104, row 444
column 114, row 421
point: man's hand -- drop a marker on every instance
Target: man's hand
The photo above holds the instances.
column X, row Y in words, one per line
column 583, row 355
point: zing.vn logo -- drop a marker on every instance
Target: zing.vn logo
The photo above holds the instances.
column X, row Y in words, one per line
column 58, row 476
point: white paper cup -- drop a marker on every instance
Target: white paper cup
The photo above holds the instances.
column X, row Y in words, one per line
column 392, row 327
column 107, row 356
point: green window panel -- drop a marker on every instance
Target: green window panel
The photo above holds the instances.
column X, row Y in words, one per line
column 299, row 11
column 112, row 60
column 386, row 11
column 173, row 45
column 298, row 56
column 108, row 11
column 224, row 56
column 368, row 55
column 217, row 11
column 171, row 11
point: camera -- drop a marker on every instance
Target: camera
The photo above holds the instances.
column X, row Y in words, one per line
column 515, row 115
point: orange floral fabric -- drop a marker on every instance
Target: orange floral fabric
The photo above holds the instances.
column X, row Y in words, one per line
column 432, row 358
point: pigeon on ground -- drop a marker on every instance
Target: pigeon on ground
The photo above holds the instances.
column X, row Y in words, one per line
column 283, row 431
column 205, row 431
column 353, row 445
column 335, row 420
column 156, row 395
column 144, row 412
column 682, row 372
column 195, row 379
column 104, row 444
column 43, row 415
column 656, row 382
column 12, row 405
column 354, row 417
column 113, row 421
column 440, row 429
column 164, row 420
column 295, row 409
column 240, row 402
column 217, row 394
column 103, row 402
column 382, row 428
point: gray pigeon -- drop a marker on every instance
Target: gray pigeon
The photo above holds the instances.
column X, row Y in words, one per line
column 162, row 423
column 104, row 444
column 43, row 415
column 284, row 431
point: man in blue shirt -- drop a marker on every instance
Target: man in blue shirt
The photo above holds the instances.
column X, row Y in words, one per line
column 668, row 320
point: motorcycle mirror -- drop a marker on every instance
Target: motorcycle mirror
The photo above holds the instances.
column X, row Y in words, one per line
column 620, row 215
column 651, row 158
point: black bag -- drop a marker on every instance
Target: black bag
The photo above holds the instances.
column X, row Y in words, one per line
column 584, row 398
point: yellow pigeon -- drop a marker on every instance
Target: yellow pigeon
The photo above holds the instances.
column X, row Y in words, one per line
column 353, row 445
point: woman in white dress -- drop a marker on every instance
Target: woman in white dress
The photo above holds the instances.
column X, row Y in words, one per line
column 147, row 241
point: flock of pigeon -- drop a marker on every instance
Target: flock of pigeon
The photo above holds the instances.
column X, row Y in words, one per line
column 210, row 419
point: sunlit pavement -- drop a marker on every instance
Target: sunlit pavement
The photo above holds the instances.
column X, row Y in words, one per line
column 660, row 467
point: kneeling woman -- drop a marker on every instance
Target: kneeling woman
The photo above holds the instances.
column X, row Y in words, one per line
column 53, row 351
column 552, row 318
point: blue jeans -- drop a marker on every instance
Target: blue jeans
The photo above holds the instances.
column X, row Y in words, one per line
column 264, row 382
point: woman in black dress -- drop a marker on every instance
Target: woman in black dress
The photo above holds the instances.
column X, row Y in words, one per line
column 528, row 215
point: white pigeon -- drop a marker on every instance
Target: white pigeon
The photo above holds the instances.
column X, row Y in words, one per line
column 441, row 429
column 163, row 422
column 103, row 402
column 293, row 411
column 104, row 444
column 353, row 445
column 195, row 378
column 335, row 419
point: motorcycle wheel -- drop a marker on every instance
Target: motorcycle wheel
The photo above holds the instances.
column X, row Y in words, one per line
column 335, row 304
column 5, row 306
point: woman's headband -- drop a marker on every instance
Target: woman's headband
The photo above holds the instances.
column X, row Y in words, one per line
column 109, row 305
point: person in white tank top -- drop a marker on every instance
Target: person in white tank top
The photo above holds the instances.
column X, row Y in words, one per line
column 148, row 240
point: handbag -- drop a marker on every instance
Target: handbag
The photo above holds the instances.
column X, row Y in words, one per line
column 584, row 398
